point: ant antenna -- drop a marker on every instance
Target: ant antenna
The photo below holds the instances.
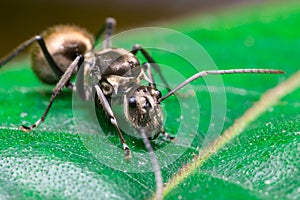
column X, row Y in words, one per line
column 155, row 164
column 220, row 72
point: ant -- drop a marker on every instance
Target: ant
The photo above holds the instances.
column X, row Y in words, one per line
column 59, row 52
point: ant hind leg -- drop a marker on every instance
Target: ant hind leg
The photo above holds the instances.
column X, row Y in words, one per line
column 107, row 29
column 45, row 51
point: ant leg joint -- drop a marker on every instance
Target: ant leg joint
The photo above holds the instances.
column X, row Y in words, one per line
column 110, row 21
column 39, row 37
column 136, row 47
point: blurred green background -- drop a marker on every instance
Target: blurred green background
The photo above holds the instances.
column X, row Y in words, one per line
column 19, row 20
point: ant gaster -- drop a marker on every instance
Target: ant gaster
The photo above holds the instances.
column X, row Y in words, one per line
column 61, row 50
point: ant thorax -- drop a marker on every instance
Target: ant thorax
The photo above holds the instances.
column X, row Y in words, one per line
column 115, row 70
column 142, row 110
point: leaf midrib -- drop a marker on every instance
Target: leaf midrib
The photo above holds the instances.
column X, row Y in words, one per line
column 268, row 99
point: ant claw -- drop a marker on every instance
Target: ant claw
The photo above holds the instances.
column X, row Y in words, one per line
column 172, row 138
column 127, row 156
column 127, row 152
column 25, row 128
column 29, row 128
column 168, row 137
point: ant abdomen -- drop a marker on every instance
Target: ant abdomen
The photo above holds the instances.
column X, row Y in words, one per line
column 64, row 43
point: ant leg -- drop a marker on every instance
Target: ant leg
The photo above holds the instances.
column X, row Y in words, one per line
column 163, row 133
column 107, row 29
column 113, row 119
column 26, row 44
column 17, row 51
column 61, row 83
column 150, row 79
column 155, row 136
column 70, row 85
column 135, row 50
column 166, row 135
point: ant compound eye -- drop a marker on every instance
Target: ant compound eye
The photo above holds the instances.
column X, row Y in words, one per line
column 132, row 102
column 158, row 94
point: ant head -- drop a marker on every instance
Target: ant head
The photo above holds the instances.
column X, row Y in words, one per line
column 142, row 109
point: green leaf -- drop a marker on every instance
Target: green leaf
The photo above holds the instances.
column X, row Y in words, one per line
column 256, row 157
column 263, row 166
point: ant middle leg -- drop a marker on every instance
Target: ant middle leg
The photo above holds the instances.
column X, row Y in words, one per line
column 136, row 48
column 65, row 79
column 113, row 120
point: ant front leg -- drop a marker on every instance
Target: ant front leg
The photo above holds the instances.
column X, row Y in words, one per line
column 164, row 134
column 65, row 79
column 113, row 120
column 136, row 48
